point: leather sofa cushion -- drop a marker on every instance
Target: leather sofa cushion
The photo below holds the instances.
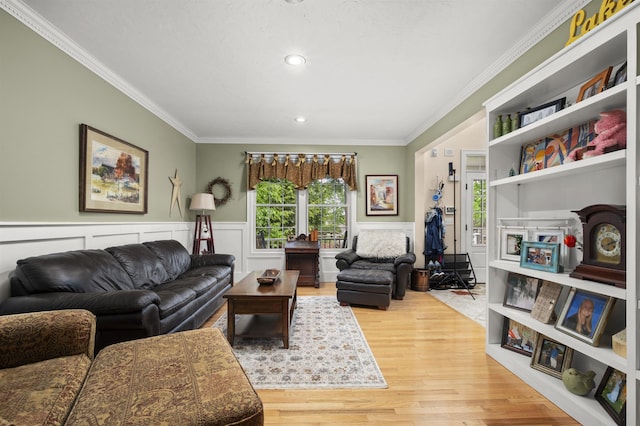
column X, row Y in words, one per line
column 174, row 257
column 368, row 277
column 142, row 265
column 173, row 297
column 198, row 284
column 367, row 264
column 81, row 271
column 216, row 271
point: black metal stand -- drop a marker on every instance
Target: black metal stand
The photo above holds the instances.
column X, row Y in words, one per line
column 455, row 276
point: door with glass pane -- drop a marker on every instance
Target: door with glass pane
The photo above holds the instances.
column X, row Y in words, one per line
column 474, row 221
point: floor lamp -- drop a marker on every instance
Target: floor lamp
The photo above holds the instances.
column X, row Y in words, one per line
column 203, row 230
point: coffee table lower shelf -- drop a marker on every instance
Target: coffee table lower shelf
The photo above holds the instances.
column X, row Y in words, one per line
column 259, row 326
column 262, row 311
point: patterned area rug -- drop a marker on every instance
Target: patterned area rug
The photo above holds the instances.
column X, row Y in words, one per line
column 326, row 350
column 460, row 300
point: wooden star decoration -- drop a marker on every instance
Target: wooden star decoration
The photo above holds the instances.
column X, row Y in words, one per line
column 175, row 194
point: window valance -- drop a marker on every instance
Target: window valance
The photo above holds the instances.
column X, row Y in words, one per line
column 301, row 169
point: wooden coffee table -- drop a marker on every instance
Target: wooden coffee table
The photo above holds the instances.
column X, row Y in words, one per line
column 266, row 309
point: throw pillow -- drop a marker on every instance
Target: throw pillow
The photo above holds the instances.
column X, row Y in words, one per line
column 381, row 244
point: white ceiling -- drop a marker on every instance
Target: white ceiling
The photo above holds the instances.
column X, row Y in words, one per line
column 377, row 71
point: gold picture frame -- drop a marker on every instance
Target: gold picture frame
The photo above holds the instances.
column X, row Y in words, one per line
column 113, row 174
column 551, row 357
column 594, row 86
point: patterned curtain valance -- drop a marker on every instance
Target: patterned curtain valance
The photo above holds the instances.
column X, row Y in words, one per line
column 301, row 169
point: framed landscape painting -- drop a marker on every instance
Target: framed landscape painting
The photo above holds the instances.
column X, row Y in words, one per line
column 113, row 174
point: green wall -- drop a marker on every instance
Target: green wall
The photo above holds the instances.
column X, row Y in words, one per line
column 536, row 55
column 44, row 96
column 228, row 161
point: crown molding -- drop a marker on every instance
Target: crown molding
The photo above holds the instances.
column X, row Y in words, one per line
column 23, row 13
column 42, row 27
column 302, row 141
column 556, row 17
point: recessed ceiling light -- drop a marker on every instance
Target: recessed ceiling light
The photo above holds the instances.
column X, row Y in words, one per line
column 295, row 59
column 294, row 1
column 300, row 119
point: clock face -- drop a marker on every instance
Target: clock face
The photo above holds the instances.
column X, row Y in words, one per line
column 606, row 244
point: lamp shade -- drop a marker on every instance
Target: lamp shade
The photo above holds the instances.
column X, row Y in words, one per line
column 202, row 202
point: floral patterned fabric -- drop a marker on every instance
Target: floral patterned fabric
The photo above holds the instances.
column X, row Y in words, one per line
column 44, row 359
column 186, row 378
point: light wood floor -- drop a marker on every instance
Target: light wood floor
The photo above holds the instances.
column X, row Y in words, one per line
column 434, row 362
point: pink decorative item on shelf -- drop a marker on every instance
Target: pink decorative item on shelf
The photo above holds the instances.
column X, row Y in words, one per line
column 611, row 129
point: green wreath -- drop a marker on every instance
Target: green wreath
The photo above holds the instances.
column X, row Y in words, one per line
column 227, row 190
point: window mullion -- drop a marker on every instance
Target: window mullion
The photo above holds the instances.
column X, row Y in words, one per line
column 302, row 212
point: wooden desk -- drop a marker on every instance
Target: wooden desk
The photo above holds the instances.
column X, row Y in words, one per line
column 304, row 256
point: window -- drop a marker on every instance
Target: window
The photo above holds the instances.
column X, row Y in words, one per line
column 281, row 212
column 275, row 213
column 479, row 212
column 327, row 211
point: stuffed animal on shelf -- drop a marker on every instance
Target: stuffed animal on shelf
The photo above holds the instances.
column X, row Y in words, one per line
column 611, row 129
column 577, row 382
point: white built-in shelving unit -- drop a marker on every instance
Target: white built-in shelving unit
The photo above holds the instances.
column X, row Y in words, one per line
column 558, row 191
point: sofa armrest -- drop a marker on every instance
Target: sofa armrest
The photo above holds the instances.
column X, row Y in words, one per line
column 198, row 260
column 38, row 336
column 103, row 303
column 405, row 258
column 349, row 256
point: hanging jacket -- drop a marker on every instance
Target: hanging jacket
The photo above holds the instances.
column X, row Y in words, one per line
column 434, row 231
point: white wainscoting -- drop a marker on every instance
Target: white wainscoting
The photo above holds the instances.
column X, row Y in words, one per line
column 21, row 240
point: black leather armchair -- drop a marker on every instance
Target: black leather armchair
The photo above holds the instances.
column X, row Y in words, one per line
column 400, row 266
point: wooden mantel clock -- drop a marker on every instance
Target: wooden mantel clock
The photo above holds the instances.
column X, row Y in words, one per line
column 604, row 229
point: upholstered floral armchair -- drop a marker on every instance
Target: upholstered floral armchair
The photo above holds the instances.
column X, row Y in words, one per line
column 382, row 251
column 44, row 359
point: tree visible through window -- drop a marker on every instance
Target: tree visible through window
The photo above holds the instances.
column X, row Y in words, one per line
column 275, row 213
column 278, row 204
column 327, row 211
column 479, row 212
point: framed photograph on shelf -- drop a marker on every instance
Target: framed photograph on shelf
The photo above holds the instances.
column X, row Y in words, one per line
column 511, row 243
column 382, row 195
column 594, row 86
column 521, row 292
column 113, row 174
column 532, row 115
column 585, row 315
column 612, row 394
column 540, row 256
column 620, row 76
column 554, row 236
column 545, row 305
column 517, row 337
column 551, row 357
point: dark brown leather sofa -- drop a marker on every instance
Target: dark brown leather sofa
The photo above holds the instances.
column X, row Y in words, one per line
column 135, row 290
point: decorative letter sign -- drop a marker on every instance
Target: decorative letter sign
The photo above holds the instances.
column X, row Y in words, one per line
column 608, row 8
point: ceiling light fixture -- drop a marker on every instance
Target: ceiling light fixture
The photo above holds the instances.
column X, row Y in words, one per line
column 295, row 60
column 300, row 119
column 294, row 1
